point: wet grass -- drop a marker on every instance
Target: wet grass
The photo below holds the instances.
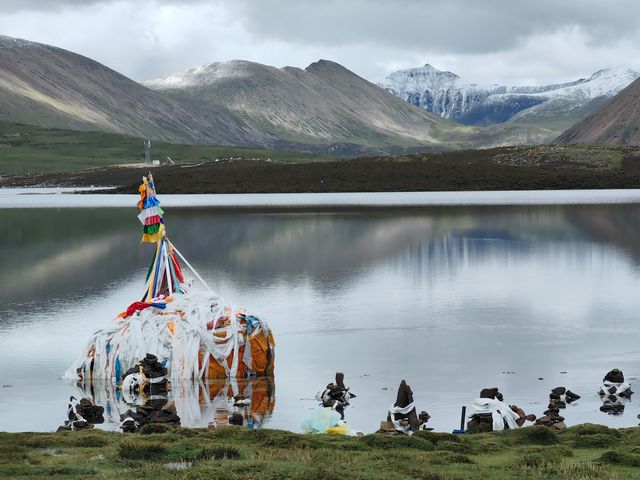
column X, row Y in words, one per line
column 581, row 453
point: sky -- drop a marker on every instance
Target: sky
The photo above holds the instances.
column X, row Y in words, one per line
column 512, row 42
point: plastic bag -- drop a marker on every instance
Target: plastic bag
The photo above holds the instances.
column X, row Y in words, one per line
column 322, row 419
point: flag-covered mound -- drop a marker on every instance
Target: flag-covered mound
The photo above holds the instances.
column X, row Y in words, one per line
column 193, row 334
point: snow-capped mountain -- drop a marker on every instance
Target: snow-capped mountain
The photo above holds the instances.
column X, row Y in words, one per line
column 446, row 94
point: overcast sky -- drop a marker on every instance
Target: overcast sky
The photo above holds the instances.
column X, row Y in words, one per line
column 494, row 41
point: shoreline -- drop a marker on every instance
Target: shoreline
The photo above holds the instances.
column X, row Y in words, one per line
column 67, row 198
column 543, row 167
column 584, row 451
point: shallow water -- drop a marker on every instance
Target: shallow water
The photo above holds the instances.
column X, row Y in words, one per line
column 451, row 298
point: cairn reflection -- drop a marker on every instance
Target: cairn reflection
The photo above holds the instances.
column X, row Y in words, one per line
column 205, row 404
column 614, row 393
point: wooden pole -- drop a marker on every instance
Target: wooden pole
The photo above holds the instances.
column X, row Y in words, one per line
column 192, row 269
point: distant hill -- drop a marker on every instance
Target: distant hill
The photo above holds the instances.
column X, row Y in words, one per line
column 325, row 107
column 324, row 103
column 616, row 121
column 555, row 107
column 51, row 87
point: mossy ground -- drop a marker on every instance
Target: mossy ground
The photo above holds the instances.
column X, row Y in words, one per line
column 26, row 149
column 580, row 453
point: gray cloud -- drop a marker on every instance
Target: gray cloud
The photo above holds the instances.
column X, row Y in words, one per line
column 11, row 6
column 505, row 41
column 459, row 26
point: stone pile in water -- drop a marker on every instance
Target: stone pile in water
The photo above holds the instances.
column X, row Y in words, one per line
column 155, row 411
column 484, row 422
column 148, row 376
column 403, row 417
column 614, row 392
column 336, row 395
column 559, row 398
column 82, row 414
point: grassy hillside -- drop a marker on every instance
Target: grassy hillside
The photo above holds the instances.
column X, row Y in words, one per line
column 26, row 149
column 616, row 121
column 584, row 452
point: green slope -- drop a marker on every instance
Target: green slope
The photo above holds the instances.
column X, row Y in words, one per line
column 26, row 149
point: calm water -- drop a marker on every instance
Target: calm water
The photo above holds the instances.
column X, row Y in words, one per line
column 449, row 298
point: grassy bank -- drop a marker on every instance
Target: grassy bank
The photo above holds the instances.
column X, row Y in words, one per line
column 544, row 167
column 32, row 156
column 26, row 149
column 580, row 453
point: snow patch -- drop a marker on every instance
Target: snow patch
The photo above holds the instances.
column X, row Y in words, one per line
column 444, row 93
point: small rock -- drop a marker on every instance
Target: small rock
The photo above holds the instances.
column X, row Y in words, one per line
column 177, row 465
column 97, row 458
column 51, row 452
column 236, row 419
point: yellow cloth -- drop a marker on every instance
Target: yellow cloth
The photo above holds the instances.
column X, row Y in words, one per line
column 153, row 237
column 342, row 429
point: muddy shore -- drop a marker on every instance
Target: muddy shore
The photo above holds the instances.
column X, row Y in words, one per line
column 509, row 168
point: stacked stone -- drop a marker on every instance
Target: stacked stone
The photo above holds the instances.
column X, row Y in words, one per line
column 483, row 422
column 156, row 411
column 614, row 393
column 82, row 415
column 559, row 398
column 404, row 423
column 336, row 396
column 154, row 371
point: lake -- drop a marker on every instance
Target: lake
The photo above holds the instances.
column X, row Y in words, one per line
column 451, row 295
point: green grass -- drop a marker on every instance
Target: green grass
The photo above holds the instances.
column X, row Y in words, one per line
column 583, row 452
column 26, row 149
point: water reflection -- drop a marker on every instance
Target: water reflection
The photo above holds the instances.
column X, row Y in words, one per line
column 439, row 296
column 205, row 404
column 47, row 254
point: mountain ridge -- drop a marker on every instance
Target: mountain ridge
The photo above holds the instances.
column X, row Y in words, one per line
column 323, row 108
column 321, row 102
column 445, row 94
column 616, row 121
column 52, row 87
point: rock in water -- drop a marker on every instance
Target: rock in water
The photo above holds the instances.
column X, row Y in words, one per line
column 614, row 376
column 403, row 414
column 336, row 395
column 82, row 414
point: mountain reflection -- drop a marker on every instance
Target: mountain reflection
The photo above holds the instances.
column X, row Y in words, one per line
column 50, row 254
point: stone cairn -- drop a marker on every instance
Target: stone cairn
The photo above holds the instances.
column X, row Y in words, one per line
column 614, row 393
column 483, row 422
column 82, row 414
column 336, row 396
column 145, row 418
column 402, row 418
column 559, row 398
column 148, row 378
